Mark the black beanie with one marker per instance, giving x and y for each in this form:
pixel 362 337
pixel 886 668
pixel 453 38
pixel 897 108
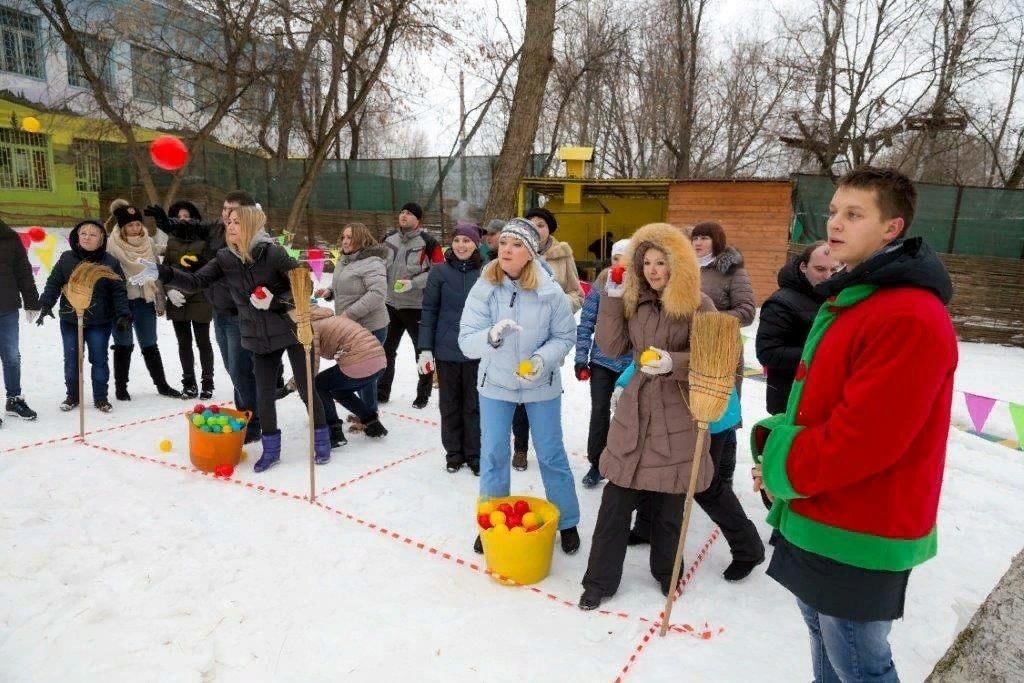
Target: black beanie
pixel 414 209
pixel 548 217
pixel 126 214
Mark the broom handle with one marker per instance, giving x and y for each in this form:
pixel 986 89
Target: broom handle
pixel 309 406
pixel 698 450
pixel 81 378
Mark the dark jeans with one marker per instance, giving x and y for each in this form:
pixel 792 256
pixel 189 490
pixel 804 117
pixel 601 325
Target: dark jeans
pixel 520 429
pixel 369 393
pixel 460 410
pixel 10 355
pixel 845 650
pixel 143 323
pixel 611 534
pixel 602 384
pixel 333 385
pixel 96 339
pixel 721 505
pixel 239 362
pixel 266 367
pixel 183 330
pixel 726 464
pixel 407 321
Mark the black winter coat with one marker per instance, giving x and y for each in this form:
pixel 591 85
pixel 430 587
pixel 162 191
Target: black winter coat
pixel 109 297
pixel 16 281
pixel 786 319
pixel 444 298
pixel 212 234
pixel 261 331
pixel 197 306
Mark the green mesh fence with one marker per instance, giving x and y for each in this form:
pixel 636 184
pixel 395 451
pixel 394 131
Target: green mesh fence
pixel 973 221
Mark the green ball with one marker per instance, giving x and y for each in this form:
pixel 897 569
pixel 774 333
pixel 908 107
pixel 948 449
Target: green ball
pixel 198 420
pixel 224 419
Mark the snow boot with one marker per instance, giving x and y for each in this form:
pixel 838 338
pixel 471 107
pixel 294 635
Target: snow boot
pixel 189 389
pixel 474 465
pixel 337 430
pixel 374 429
pixel 69 404
pixel 519 461
pixel 478 546
pixel 122 363
pixel 16 406
pixel 103 405
pixel 570 540
pixel 155 365
pixel 740 569
pixel 322 445
pixel 454 463
pixel 592 478
pixel 591 599
pixel 207 393
pixel 271 452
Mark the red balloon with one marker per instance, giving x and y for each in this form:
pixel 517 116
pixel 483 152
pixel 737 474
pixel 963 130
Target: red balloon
pixel 168 152
pixel 37 234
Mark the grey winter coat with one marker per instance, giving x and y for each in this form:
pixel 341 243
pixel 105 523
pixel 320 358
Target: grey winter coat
pixel 359 288
pixel 410 255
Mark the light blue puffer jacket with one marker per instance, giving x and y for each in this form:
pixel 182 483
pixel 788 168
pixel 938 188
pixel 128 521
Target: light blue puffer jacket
pixel 549 331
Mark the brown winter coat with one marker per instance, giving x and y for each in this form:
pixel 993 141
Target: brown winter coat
pixel 653 435
pixel 363 355
pixel 559 258
pixel 727 283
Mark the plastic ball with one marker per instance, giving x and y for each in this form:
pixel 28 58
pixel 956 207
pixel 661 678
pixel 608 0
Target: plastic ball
pixel 223 470
pixel 517 530
pixel 198 420
pixel 199 408
pixel 168 152
pixel 525 368
pixel 214 409
pixel 36 233
pixel 165 445
pixel 241 424
pixel 226 429
pixel 30 124
pixel 649 356
pixel 206 428
pixel 207 413
pixel 243 456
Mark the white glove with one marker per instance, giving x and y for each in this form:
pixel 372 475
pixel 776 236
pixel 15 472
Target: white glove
pixel 340 353
pixel 616 395
pixel 30 316
pixel 403 286
pixel 149 273
pixel 264 303
pixel 175 297
pixel 662 366
pixel 536 367
pixel 500 329
pixel 324 293
pixel 615 290
pixel 426 364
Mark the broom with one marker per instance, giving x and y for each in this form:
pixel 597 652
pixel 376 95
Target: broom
pixel 714 353
pixel 302 290
pixel 78 292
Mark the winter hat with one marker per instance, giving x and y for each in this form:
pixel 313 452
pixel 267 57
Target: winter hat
pixel 468 230
pixel 619 248
pixel 548 217
pixel 95 255
pixel 126 214
pixel 414 209
pixel 523 230
pixel 177 206
pixel 494 226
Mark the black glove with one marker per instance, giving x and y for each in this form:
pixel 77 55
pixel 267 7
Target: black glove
pixel 43 312
pixel 582 371
pixel 158 214
pixel 124 323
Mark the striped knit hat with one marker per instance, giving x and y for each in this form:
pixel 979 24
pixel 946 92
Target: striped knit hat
pixel 523 230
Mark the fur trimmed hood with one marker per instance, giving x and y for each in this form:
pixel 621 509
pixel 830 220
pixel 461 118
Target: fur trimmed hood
pixel 728 260
pixel 557 250
pixel 682 296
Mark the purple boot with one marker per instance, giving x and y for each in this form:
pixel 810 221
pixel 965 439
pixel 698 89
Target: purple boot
pixel 271 452
pixel 322 445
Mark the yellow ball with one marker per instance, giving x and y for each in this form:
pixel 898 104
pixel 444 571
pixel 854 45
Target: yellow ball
pixel 500 529
pixel 517 530
pixel 30 124
pixel 226 429
pixel 498 519
pixel 165 445
pixel 485 508
pixel 525 368
pixel 649 356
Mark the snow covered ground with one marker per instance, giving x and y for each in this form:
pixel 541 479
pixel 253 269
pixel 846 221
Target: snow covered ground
pixel 121 563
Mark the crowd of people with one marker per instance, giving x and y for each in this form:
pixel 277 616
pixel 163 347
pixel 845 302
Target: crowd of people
pixel 493 315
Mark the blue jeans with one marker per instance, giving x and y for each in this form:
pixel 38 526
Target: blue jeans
pixel 368 394
pixel 496 453
pixel 144 323
pixel 334 385
pixel 10 356
pixel 845 651
pixel 96 338
pixel 237 360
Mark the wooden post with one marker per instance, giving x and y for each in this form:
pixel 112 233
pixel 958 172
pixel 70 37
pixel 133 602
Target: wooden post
pixel 312 437
pixel 81 378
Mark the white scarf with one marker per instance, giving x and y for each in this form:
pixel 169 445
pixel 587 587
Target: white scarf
pixel 128 251
pixel 705 261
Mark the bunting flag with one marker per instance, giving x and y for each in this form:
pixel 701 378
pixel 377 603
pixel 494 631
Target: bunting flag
pixel 280 240
pixel 35 271
pixel 1017 415
pixel 45 251
pixel 314 254
pixel 334 254
pixel 979 408
pixel 317 266
pixel 26 241
pixel 294 253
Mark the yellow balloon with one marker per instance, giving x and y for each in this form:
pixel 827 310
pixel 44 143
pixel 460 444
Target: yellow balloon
pixel 31 124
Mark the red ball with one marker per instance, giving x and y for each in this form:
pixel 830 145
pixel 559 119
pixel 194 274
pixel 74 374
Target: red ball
pixel 484 521
pixel 513 520
pixel 37 234
pixel 521 507
pixel 260 293
pixel 584 374
pixel 506 509
pixel 617 273
pixel 168 152
pixel 223 470
pixel 214 409
pixel 198 410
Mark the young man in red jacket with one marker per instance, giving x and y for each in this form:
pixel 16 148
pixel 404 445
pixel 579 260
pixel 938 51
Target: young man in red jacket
pixel 855 463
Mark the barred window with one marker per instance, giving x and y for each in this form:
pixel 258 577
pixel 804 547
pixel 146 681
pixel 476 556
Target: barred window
pixel 24 160
pixel 151 76
pixel 87 164
pixel 20 52
pixel 97 53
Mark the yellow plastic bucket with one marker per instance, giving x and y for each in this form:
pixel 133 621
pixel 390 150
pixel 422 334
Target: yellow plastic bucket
pixel 521 558
pixel 208 450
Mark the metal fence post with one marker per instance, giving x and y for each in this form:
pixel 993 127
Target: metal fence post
pixel 956 218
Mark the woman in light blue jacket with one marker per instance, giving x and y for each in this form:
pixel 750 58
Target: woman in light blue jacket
pixel 516 312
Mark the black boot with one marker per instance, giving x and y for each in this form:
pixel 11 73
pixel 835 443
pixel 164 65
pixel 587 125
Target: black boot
pixel 189 388
pixel 151 354
pixel 570 540
pixel 207 393
pixel 337 431
pixel 122 363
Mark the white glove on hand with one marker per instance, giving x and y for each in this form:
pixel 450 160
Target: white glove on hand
pixel 616 395
pixel 496 334
pixel 536 367
pixel 264 303
pixel 615 290
pixel 175 297
pixel 149 273
pixel 662 366
pixel 30 316
pixel 426 363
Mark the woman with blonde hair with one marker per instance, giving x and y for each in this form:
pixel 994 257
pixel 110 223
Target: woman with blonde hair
pixel 517 316
pixel 255 269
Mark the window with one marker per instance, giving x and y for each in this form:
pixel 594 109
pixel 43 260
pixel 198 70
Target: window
pixel 97 53
pixel 24 160
pixel 20 52
pixel 207 88
pixel 87 165
pixel 151 76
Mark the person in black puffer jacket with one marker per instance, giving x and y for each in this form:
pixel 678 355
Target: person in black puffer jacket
pixel 448 286
pixel 255 268
pixel 786 318
pixel 109 307
pixel 16 284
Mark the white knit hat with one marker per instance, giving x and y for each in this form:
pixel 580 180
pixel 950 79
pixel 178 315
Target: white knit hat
pixel 619 248
pixel 523 230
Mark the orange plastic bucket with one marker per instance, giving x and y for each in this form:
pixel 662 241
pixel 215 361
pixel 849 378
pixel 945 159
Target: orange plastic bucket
pixel 207 450
pixel 521 558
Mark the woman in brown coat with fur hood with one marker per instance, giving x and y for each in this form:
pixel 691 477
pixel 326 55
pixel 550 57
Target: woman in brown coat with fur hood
pixel 652 436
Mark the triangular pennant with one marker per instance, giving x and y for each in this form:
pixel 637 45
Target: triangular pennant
pixel 280 240
pixel 294 253
pixel 334 254
pixel 317 266
pixel 314 254
pixel 979 408
pixel 35 271
pixel 45 251
pixel 26 240
pixel 1017 415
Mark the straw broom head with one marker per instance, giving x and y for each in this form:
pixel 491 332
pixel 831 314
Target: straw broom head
pixel 84 277
pixel 302 291
pixel 714 355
